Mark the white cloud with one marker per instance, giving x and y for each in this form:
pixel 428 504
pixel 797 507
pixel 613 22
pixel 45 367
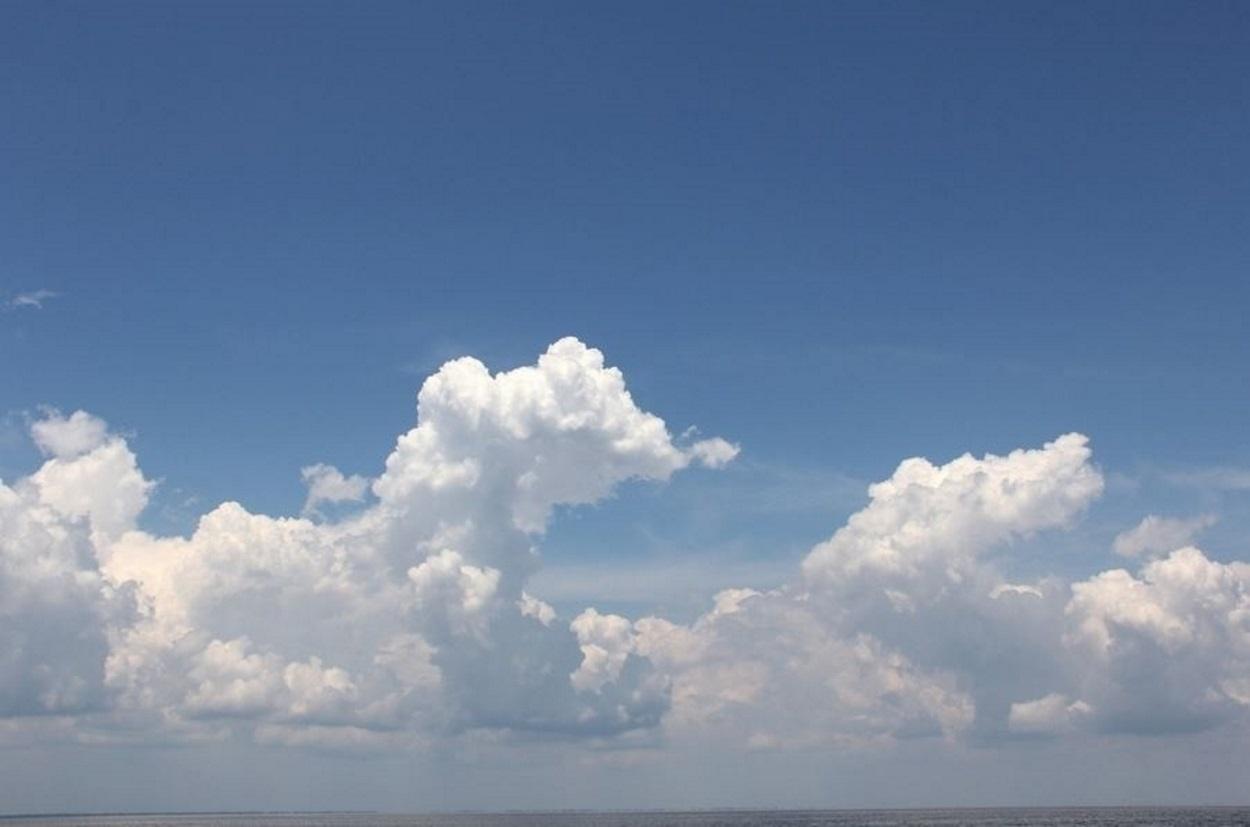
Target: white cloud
pixel 65 437
pixel 416 617
pixel 769 671
pixel 460 594
pixel 33 299
pixel 1015 589
pixel 1159 535
pixel 898 625
pixel 57 607
pixel 934 521
pixel 408 616
pixel 326 484
pixel 1167 649
pixel 531 606
pixel 714 453
pixel 1049 715
pixel 562 432
pixel 103 486
pixel 606 642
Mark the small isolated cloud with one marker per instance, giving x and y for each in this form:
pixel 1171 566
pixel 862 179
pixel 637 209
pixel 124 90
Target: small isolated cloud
pixel 1159 535
pixel 34 298
pixel 326 484
pixel 714 453
pixel 1015 589
pixel 1220 478
pixel 1052 714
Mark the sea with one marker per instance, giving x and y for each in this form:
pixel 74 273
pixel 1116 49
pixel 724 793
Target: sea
pixel 1032 817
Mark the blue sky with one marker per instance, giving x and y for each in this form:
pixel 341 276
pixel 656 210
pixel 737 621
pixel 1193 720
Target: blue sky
pixel 952 228
pixel 836 234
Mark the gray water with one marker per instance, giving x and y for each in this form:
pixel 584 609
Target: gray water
pixel 1064 817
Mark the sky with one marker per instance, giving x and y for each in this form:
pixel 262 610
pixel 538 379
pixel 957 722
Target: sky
pixel 421 406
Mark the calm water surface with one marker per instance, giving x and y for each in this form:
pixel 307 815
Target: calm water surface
pixel 1067 817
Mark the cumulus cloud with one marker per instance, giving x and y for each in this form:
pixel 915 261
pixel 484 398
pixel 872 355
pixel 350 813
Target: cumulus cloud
pixel 1167 649
pixel 1159 535
pixel 65 437
pixel 562 432
pixel 102 487
pixel 414 617
pixel 407 616
pixel 606 643
pixel 1049 715
pixel 930 521
pixel 326 484
pixel 770 671
pixel 899 623
pixel 57 606
pixel 714 453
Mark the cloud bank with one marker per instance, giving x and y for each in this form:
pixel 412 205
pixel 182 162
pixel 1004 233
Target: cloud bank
pixel 404 618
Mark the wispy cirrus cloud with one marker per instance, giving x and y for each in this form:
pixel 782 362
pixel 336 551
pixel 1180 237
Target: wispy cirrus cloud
pixel 32 299
pixel 1220 477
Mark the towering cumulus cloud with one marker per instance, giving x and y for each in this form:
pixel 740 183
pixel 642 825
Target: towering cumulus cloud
pixel 404 621
pixel 401 616
pixel 897 623
pixel 56 606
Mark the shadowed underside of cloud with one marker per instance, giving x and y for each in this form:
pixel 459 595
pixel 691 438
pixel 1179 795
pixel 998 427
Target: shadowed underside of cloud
pixel 407 620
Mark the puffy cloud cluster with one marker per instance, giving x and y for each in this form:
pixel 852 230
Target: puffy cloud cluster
pixel 1161 651
pixel 929 524
pixel 55 605
pixel 904 625
pixel 406 617
pixel 899 625
pixel 562 432
pixel 769 670
pixel 1167 649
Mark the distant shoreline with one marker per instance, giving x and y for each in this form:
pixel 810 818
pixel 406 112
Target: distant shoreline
pixel 278 814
